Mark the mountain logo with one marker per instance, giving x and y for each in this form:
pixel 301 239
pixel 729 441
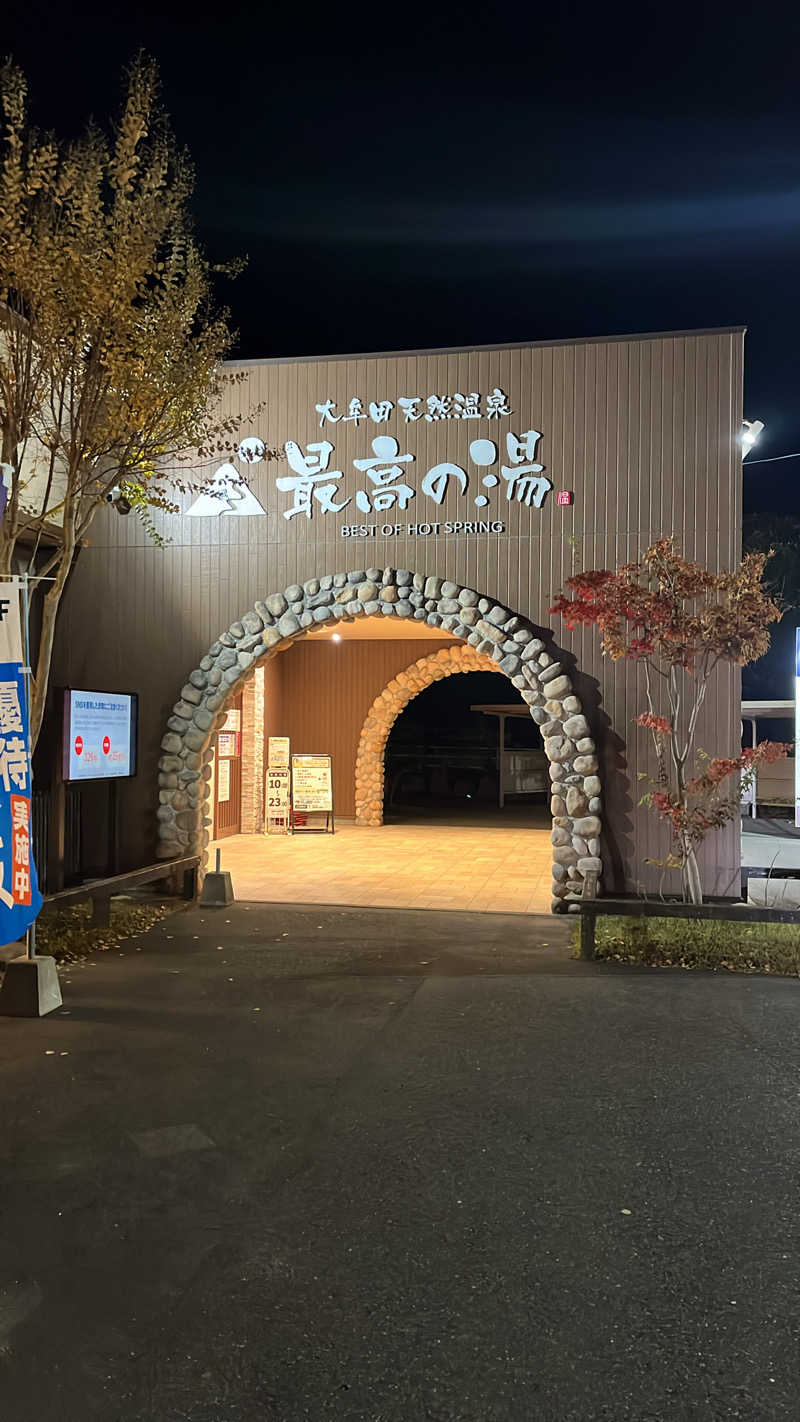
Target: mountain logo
pixel 227 493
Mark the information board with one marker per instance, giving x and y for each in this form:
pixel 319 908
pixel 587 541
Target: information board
pixel 278 752
pixel 312 783
pixel 223 780
pixel 312 793
pixel 99 735
pixel 278 800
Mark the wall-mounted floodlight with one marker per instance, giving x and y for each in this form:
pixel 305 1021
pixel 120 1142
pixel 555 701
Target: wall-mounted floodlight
pixel 750 432
pixel 117 499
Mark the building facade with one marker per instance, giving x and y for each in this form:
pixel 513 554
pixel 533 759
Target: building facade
pixel 447 495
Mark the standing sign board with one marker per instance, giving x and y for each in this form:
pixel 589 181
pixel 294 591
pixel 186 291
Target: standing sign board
pixel 312 793
pixel 278 790
pixel 20 900
pixel 278 753
pixel 278 800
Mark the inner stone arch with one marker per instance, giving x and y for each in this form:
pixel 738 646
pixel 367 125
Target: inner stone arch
pixel 502 639
pixel 387 707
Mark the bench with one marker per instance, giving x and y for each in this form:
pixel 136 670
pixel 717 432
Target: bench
pixel 101 891
pixel 731 911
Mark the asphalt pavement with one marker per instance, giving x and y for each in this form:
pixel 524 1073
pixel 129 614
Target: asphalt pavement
pixel 372 1166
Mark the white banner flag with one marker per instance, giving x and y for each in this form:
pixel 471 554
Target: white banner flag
pixel 11 621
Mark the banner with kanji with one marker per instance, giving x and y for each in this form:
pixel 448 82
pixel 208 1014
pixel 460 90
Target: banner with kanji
pixel 20 900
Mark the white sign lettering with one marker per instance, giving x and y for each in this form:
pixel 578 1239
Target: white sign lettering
pixel 385 476
pixel 420 530
pixel 305 483
pixel 418 407
pixel 388 482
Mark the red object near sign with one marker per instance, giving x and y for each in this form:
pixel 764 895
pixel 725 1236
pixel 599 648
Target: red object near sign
pixel 20 822
pixel 78 745
pixel 564 496
pixel 106 745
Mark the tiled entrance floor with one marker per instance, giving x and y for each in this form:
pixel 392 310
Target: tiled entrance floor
pixel 492 866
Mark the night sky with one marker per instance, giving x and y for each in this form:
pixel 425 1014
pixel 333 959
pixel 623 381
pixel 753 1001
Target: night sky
pixel 476 174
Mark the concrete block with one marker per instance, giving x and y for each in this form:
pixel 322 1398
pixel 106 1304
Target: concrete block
pixel 30 988
pixel 217 890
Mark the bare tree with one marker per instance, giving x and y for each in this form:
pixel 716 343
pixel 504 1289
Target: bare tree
pixel 110 343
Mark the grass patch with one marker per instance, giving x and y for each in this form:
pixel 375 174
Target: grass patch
pixel 68 936
pixel 699 943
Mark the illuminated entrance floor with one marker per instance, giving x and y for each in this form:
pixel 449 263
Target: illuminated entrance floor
pixel 493 865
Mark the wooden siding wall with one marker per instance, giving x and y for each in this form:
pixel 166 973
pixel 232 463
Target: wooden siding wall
pixel 644 431
pixel 320 693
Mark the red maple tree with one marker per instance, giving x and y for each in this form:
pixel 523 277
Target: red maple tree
pixel 680 621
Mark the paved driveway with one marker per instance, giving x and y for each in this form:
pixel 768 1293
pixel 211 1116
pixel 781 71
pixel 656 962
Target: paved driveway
pixel 315 1164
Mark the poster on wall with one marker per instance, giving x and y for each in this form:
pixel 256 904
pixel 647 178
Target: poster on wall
pixel 20 900
pixel 312 793
pixel 229 735
pixel 223 781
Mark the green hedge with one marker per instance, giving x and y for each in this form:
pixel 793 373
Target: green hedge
pixel 699 943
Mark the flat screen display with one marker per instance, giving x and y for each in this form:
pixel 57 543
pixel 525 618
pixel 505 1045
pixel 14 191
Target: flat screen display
pixel 99 735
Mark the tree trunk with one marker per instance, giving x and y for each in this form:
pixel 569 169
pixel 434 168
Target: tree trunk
pixel 692 886
pixel 44 656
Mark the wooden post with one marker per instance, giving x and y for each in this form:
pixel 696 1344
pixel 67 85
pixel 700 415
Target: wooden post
pixel 113 828
pixel 56 835
pixel 101 912
pixel 588 917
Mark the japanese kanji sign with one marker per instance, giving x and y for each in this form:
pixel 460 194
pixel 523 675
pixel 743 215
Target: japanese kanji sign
pixel 20 900
pixel 347 467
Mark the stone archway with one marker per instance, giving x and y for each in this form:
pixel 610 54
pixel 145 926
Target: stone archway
pixel 507 641
pixel 385 710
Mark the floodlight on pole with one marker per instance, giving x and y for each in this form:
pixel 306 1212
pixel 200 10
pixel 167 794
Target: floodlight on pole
pixel 750 433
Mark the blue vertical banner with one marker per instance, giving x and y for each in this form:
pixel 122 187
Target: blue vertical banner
pixel 20 900
pixel 797 726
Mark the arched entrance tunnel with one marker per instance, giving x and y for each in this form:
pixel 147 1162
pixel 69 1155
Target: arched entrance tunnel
pixel 383 671
pixel 465 750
